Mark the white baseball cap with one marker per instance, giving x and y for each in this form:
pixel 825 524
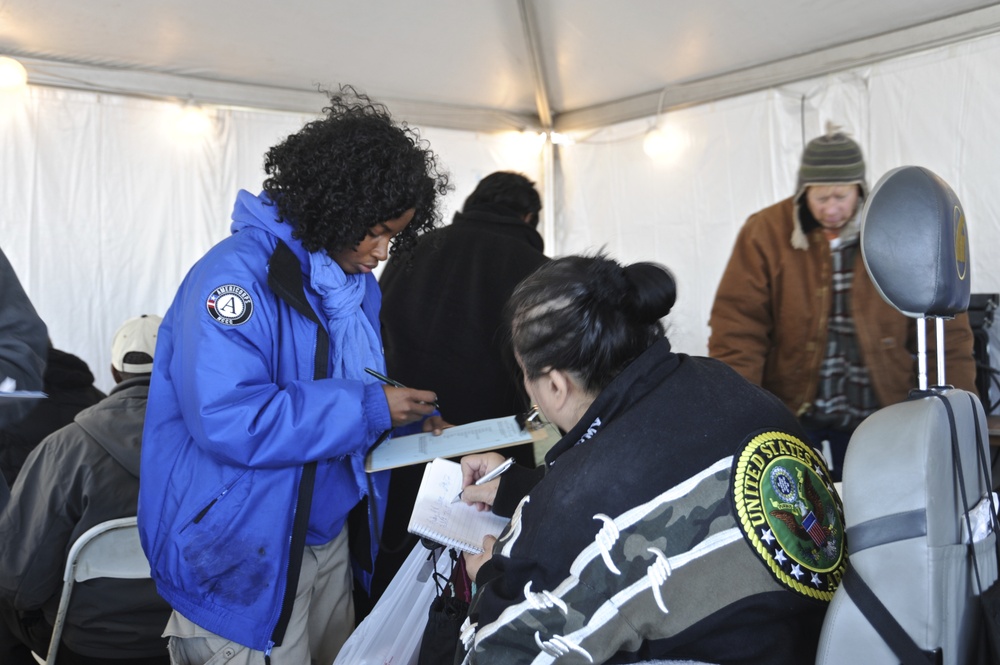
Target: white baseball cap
pixel 136 335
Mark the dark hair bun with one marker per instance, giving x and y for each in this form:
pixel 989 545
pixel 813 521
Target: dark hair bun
pixel 653 291
pixel 589 315
pixel 645 292
pixel 606 281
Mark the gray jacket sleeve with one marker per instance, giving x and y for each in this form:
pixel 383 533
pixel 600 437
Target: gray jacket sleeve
pixel 41 520
pixel 23 344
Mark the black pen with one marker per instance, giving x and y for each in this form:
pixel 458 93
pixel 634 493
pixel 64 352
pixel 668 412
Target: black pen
pixel 392 382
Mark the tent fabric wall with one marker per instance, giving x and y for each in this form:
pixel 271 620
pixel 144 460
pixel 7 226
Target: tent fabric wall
pixel 933 109
pixel 105 205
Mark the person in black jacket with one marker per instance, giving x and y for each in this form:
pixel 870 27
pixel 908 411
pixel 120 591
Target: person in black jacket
pixel 69 388
pixel 79 476
pixel 23 343
pixel 442 320
pixel 683 515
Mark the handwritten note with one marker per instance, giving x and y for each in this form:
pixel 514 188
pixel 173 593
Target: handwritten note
pixel 454 524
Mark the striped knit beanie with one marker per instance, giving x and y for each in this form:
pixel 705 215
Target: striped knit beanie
pixel 832 159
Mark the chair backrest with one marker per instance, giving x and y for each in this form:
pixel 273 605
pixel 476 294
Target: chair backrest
pixel 109 549
pixel 903 478
pixel 915 243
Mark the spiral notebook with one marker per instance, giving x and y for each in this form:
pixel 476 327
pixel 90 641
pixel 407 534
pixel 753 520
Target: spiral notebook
pixel 457 524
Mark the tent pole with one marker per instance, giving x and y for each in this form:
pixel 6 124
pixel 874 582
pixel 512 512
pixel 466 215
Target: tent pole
pixel 531 37
pixel 532 41
pixel 549 197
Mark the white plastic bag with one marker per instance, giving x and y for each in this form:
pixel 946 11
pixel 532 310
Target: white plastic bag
pixel 391 634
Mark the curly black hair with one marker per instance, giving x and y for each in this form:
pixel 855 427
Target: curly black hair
pixel 339 176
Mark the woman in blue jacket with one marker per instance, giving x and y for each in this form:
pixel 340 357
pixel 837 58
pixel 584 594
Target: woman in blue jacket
pixel 260 411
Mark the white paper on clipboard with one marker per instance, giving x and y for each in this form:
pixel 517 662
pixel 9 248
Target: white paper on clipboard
pixel 452 442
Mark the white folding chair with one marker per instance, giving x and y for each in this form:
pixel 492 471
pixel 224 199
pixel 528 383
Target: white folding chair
pixel 110 549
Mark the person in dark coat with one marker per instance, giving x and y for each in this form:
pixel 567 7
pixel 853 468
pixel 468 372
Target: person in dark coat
pixel 23 341
pixel 684 516
pixel 442 320
pixel 80 476
pixel 69 386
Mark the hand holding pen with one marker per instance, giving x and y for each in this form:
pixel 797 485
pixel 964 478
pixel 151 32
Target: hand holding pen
pixel 395 384
pixel 488 466
pixel 407 405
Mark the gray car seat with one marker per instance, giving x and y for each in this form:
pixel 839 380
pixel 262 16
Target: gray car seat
pixel 904 476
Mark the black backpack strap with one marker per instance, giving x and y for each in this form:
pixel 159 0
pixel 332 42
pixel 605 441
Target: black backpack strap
pixel 885 624
pixel 284 277
pixel 984 469
pixel 957 463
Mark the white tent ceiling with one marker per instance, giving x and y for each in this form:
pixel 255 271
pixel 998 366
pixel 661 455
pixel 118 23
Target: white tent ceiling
pixel 469 64
pixel 104 188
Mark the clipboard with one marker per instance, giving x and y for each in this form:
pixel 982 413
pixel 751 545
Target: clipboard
pixel 455 441
pixel 23 394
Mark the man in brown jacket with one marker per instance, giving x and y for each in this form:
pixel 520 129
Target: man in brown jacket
pixel 796 312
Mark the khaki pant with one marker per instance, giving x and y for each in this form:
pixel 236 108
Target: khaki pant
pixel 322 619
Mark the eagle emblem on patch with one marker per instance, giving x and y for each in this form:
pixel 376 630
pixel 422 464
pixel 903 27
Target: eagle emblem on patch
pixel 230 305
pixel 789 513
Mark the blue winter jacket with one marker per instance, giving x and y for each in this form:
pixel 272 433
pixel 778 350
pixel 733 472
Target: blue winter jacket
pixel 234 416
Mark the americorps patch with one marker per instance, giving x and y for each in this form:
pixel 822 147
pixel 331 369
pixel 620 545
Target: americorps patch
pixel 788 511
pixel 230 305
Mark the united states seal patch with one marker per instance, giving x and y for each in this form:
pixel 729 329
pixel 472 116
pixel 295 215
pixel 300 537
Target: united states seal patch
pixel 789 513
pixel 230 305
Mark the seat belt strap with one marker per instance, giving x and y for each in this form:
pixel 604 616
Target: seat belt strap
pixel 885 624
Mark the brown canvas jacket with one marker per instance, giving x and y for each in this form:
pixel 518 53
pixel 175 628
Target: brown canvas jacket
pixel 770 316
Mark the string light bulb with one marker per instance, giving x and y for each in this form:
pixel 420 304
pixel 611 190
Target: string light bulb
pixel 193 120
pixel 665 144
pixel 561 139
pixel 13 75
pixel 518 149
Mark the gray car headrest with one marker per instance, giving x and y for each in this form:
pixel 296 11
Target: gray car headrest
pixel 915 243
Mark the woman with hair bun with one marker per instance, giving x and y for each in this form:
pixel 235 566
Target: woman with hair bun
pixel 681 516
